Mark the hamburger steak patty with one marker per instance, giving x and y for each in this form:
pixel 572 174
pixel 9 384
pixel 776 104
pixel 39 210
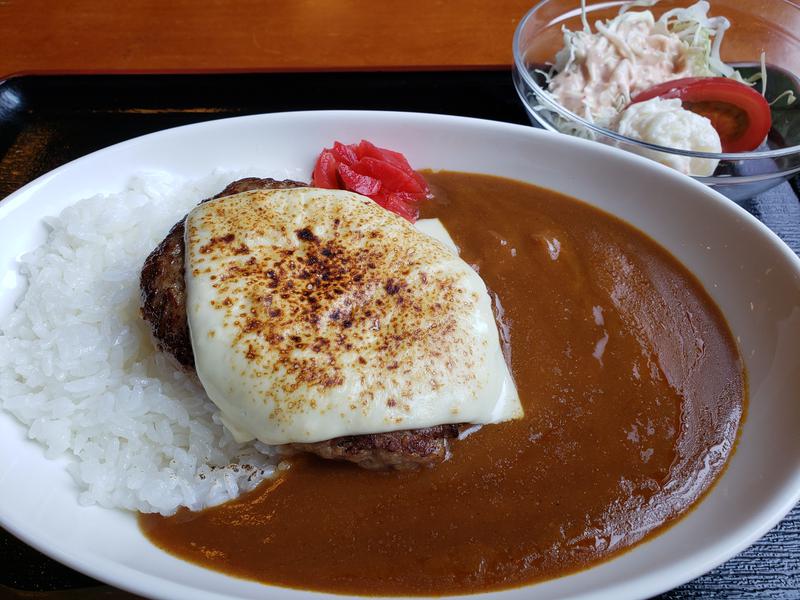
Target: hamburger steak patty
pixel 163 285
pixel 402 450
pixel 164 308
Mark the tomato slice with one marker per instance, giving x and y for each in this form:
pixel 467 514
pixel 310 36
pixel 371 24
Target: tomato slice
pixel 740 114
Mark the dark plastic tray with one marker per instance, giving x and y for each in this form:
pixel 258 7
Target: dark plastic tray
pixel 47 121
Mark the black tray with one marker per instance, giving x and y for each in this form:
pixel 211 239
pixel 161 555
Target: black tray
pixel 47 121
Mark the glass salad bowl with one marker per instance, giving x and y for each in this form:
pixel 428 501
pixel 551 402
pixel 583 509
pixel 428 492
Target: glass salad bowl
pixel 771 27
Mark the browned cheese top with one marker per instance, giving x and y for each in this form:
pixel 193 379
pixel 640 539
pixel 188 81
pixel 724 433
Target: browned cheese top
pixel 633 392
pixel 316 314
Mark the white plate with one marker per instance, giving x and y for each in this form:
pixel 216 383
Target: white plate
pixel 753 277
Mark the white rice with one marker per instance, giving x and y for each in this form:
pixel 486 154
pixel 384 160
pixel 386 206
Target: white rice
pixel 79 368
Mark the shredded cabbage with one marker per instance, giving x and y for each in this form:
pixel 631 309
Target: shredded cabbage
pixel 583 80
pixel 699 35
pixel 584 20
pixel 636 4
pixel 788 94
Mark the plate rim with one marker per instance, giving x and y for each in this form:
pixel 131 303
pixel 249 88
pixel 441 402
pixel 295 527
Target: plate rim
pixel 157 585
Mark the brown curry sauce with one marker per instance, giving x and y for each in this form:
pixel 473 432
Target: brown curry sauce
pixel 633 392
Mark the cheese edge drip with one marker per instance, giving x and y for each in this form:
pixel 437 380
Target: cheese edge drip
pixel 248 409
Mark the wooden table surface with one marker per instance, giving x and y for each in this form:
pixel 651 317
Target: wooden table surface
pixel 219 35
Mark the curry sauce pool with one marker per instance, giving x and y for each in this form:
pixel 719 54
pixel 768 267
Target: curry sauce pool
pixel 633 392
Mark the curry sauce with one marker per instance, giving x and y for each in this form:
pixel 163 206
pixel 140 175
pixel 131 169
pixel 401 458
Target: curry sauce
pixel 633 392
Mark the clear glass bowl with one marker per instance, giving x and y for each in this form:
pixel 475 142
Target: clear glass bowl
pixel 772 26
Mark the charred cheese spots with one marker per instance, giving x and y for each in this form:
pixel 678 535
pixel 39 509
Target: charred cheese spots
pixel 316 314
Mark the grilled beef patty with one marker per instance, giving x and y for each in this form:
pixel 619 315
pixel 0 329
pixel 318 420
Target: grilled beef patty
pixel 163 285
pixel 164 308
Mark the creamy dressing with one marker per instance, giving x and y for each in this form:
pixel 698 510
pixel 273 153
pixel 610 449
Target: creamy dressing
pixel 316 314
pixel 666 123
pixel 598 73
pixel 602 71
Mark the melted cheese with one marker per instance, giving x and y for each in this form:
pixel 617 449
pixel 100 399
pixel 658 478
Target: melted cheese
pixel 316 314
